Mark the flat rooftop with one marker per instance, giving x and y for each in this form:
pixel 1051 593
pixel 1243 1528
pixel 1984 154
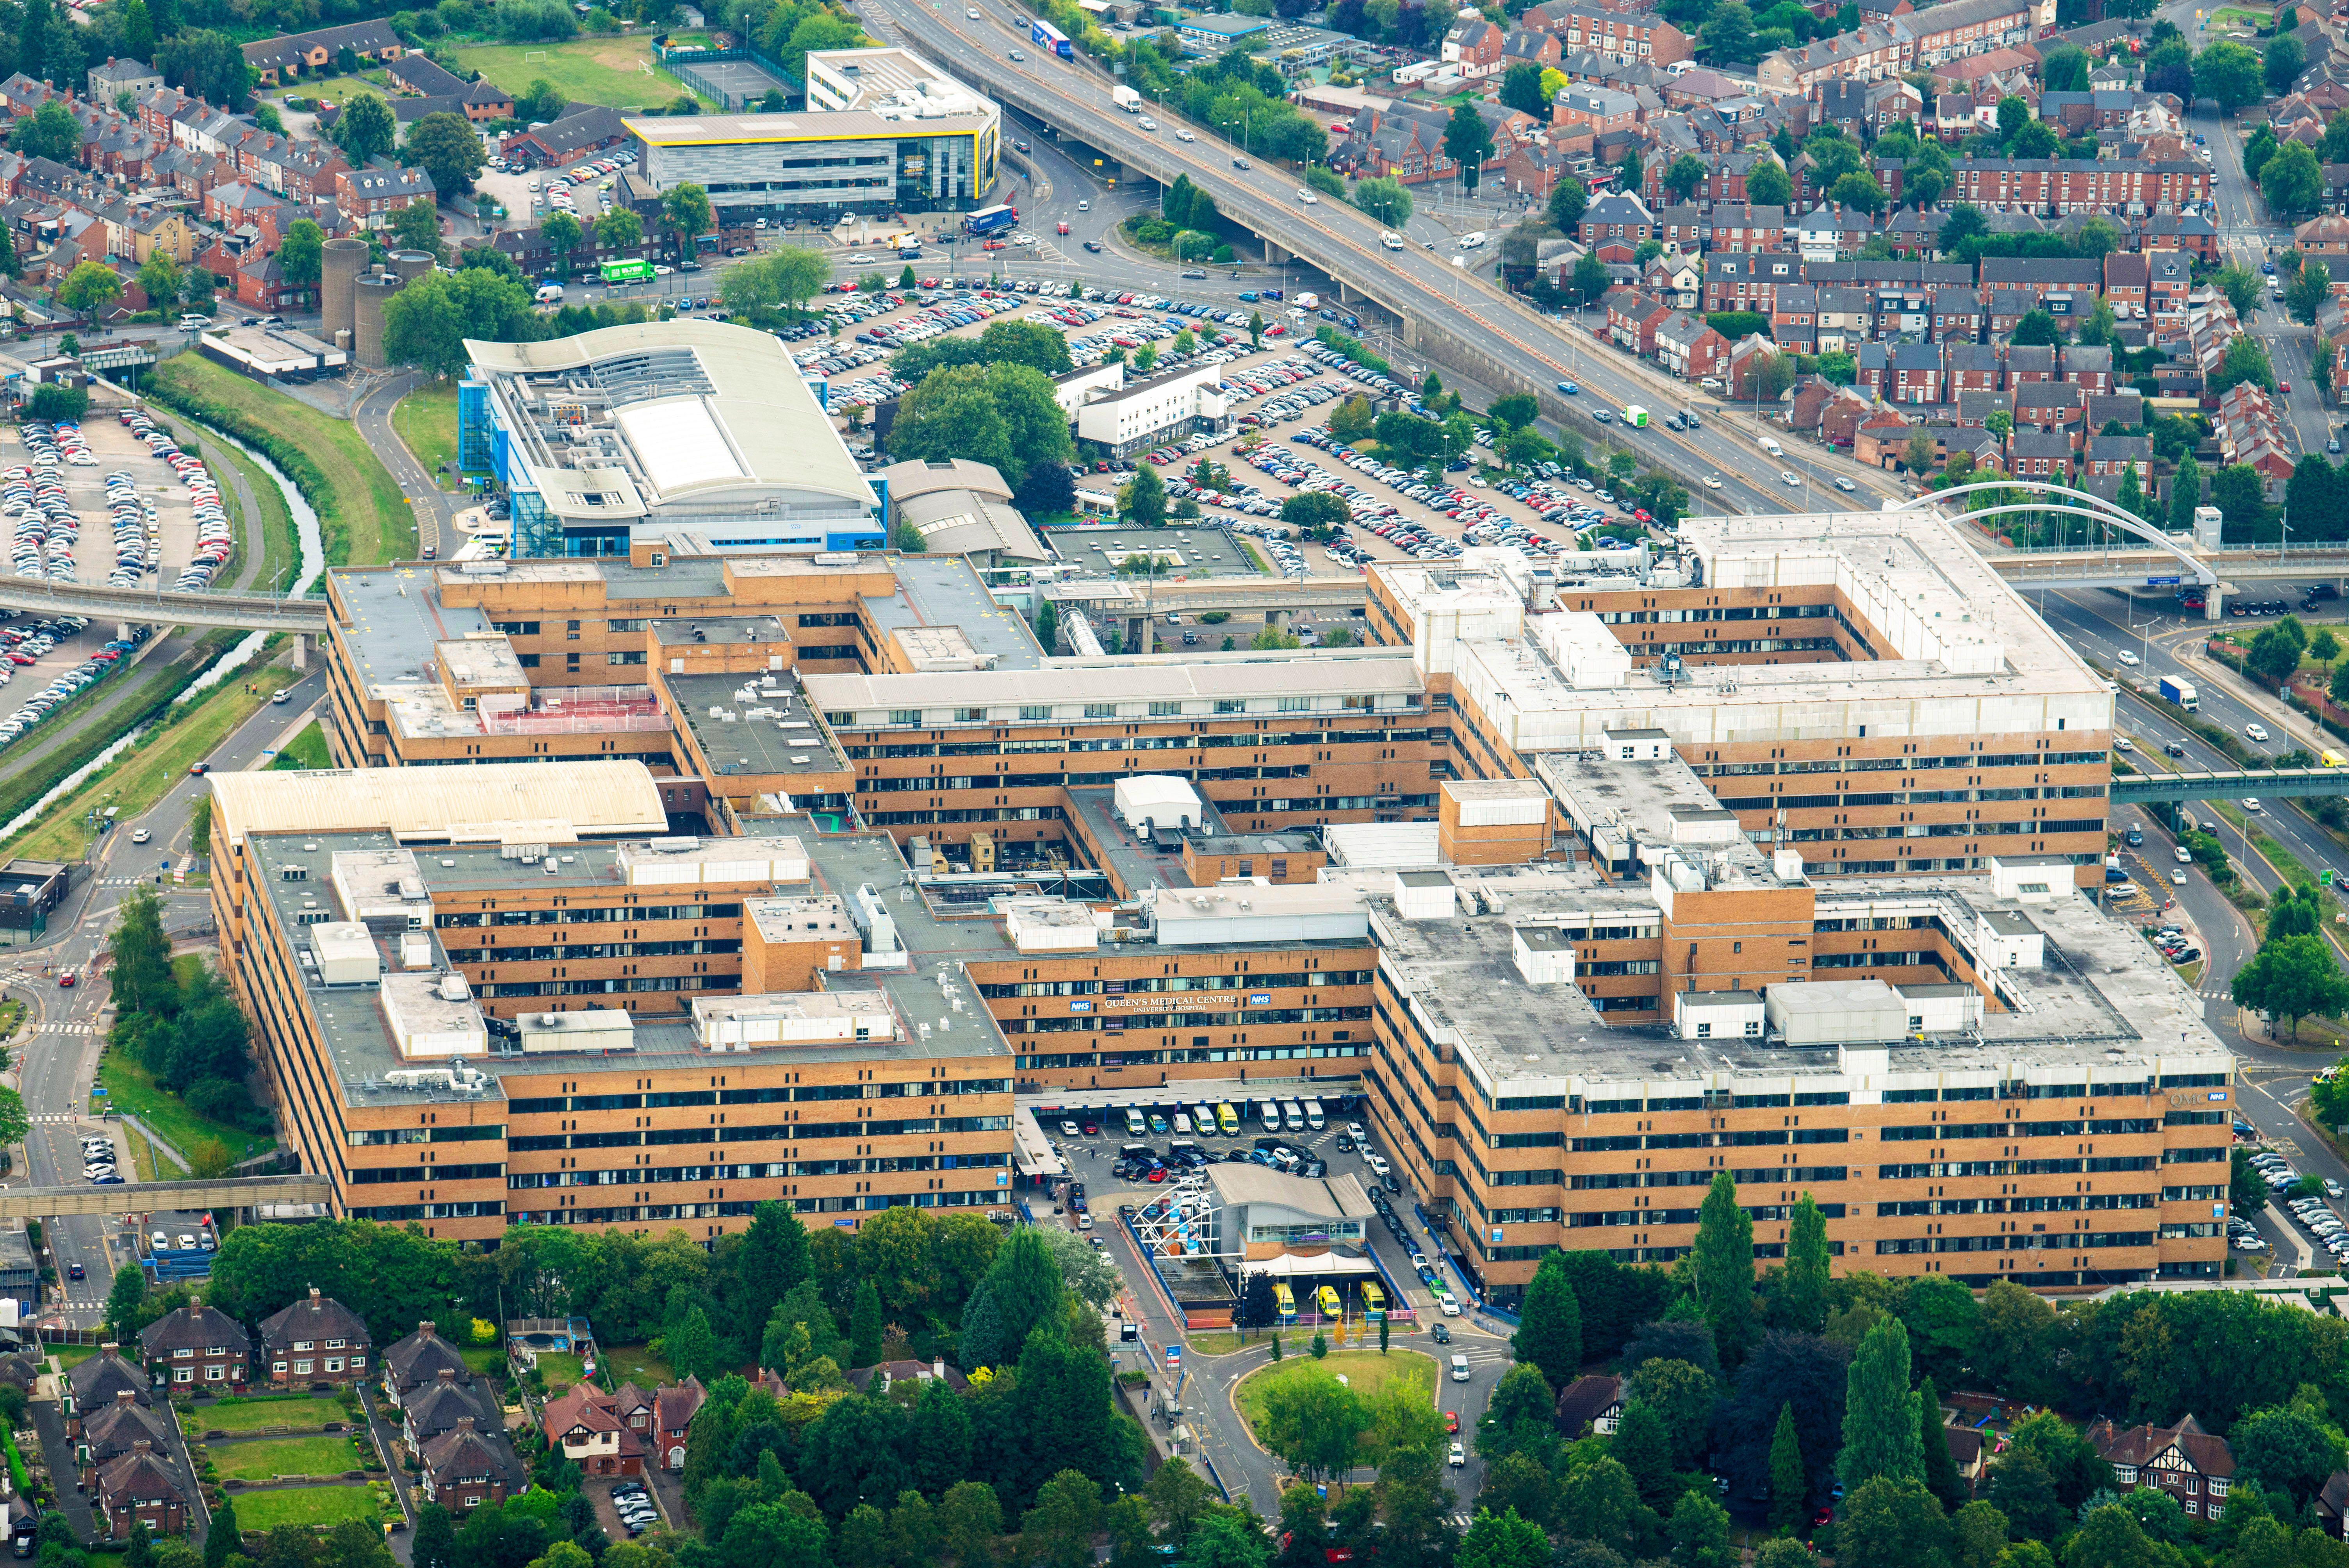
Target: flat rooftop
pixel 1200 549
pixel 756 724
pixel 944 592
pixel 1137 865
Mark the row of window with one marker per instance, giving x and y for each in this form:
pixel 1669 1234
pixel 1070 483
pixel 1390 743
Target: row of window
pixel 772 1171
pixel 794 1131
pixel 2037 1242
pixel 589 914
pixel 1286 980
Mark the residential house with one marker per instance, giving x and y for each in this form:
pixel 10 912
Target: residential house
pixel 1475 46
pixel 418 1361
pixel 2248 434
pixel 372 195
pixel 1688 348
pixel 93 1384
pixel 316 1340
pixel 1794 307
pixel 2029 362
pixel 1974 409
pixel 1959 316
pixel 1847 316
pixel 2193 1467
pixel 1877 51
pixel 426 1412
pixel 466 1467
pixel 2129 187
pixel 2062 287
pixel 113 1430
pixel 275 60
pixel 2129 284
pixel 1740 229
pixel 1962 27
pixel 1749 282
pixel 2170 277
pixel 196 1346
pixel 106 84
pixel 1675 278
pixel 139 1488
pixel 1597 110
pixel 1914 373
pixel 2089 366
pixel 1881 439
pixel 673 1411
pixel 2111 454
pixel 1590 1406
pixel 592 1434
pixel 2050 405
pixel 1972 367
pixel 1614 224
pixel 2033 454
pixel 1628 36
pixel 585 130
pixel 1632 318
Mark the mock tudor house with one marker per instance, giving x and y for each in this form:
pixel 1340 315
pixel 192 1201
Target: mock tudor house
pixel 2189 1464
pixel 196 1346
pixel 593 1433
pixel 319 1340
pixel 1592 1404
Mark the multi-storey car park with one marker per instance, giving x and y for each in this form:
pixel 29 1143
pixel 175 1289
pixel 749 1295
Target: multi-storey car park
pixel 1633 919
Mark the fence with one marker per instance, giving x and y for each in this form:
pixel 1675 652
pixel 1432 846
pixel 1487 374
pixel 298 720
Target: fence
pixel 733 93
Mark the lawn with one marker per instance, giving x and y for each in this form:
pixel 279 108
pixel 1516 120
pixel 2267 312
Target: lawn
pixel 366 519
pixel 318 1506
pixel 327 1455
pixel 486 1360
pixel 427 420
pixel 636 1364
pixel 257 1414
pixel 334 90
pixel 135 781
pixel 131 1088
pixel 306 749
pixel 586 70
pixel 72 1355
pixel 1365 1371
pixel 560 1368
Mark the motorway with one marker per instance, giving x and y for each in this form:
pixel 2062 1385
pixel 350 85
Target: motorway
pixel 54 1057
pixel 1445 302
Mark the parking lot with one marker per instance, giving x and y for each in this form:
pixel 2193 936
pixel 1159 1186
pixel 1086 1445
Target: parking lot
pixel 2302 1209
pixel 99 503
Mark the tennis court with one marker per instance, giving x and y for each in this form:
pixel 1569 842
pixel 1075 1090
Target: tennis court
pixel 737 84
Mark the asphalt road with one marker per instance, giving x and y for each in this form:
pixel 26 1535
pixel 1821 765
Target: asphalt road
pixel 2247 235
pixel 1451 301
pixel 58 1062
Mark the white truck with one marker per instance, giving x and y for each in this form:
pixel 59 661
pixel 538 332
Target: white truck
pixel 1474 241
pixel 1309 302
pixel 1770 445
pixel 1126 98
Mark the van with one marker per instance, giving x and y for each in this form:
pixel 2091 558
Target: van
pixel 1202 1120
pixel 1327 1300
pixel 1313 1115
pixel 1228 1121
pixel 1770 445
pixel 1182 1121
pixel 1374 1302
pixel 1294 1114
pixel 1459 1368
pixel 1474 241
pixel 549 294
pixel 1134 1125
pixel 1269 1114
pixel 1284 1301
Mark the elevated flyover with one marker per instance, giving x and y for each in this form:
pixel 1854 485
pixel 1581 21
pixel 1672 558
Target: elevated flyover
pixel 2266 783
pixel 1449 314
pixel 144 1197
pixel 162 607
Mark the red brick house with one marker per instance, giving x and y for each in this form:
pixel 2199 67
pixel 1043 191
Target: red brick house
pixel 1632 318
pixel 465 1468
pixel 196 1346
pixel 673 1411
pixel 1613 226
pixel 2039 455
pixel 1688 348
pixel 139 1489
pixel 319 1340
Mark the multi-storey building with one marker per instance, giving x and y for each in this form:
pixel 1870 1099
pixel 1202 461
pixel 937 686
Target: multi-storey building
pixel 1640 36
pixel 2132 187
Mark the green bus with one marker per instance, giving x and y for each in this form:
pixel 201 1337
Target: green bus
pixel 637 271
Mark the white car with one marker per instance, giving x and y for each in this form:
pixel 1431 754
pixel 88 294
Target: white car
pixel 2258 732
pixel 2128 658
pixel 2251 804
pixel 1307 197
pixel 2178 877
pixel 1790 478
pixel 1071 1129
pixel 1449 1302
pixel 2185 855
pixel 1181 135
pixel 1712 482
pixel 1459 1456
pixel 2123 743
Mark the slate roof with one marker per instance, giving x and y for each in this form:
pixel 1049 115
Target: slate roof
pixel 196 1328
pixel 318 1318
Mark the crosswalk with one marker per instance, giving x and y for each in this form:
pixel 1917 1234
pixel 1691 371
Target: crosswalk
pixel 68 1029
pixel 120 882
pixel 54 1119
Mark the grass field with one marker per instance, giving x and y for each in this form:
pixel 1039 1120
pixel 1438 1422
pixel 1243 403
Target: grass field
pixel 320 1456
pixel 427 420
pixel 255 1415
pixel 636 1364
pixel 369 512
pixel 135 781
pixel 560 1368
pixel 586 70
pixel 1366 1371
pixel 306 749
pixel 311 1505
pixel 131 1089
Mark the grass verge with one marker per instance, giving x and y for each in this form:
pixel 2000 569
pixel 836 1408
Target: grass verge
pixel 320 1456
pixel 363 518
pixel 1366 1371
pixel 317 1506
pixel 427 420
pixel 135 781
pixel 131 1089
pixel 279 553
pixel 302 1413
pixel 150 699
pixel 306 749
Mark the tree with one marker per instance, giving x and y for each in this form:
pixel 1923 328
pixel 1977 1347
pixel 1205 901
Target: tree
pixel 51 133
pixel 1683 1395
pixel 1521 89
pixel 1507 1542
pixel 2242 286
pixel 1977 1534
pixel 563 233
pixel 160 279
pixel 2287 1451
pixel 197 60
pixel 2037 327
pixel 1858 190
pixel 2292 181
pixel 1941 1477
pixel 1803 1289
pixel 417 226
pixel 1685 174
pixel 1727 35
pixel 1317 514
pixel 90 288
pixel 366 129
pixel 1590 277
pixel 2185 494
pixel 446 147
pixel 1880 1420
pixel 2110 1537
pixel 1143 500
pixel 1467 142
pixel 1700 1526
pixel 1313 1421
pixel 1549 1329
pixel 620 229
pixel 1890 1523
pixel 1384 198
pixel 1723 1261
pixel 685 212
pixel 1790 1483
pixel 125 1303
pixel 1568 198
pixel 1916 457
pixel 864 1327
pixel 2064 71
pixel 1645 1448
pixel 1600 1503
pixel 2282 63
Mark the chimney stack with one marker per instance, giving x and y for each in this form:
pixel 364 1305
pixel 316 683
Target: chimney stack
pixel 447 1376
pixel 425 1328
pixel 125 1396
pixel 314 1298
pixel 110 1349
pixel 143 1446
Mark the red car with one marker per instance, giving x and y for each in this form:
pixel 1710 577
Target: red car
pixel 68 980
pixel 1092 1129
pixel 1450 1420
pixel 1064 228
pixel 993 245
pixel 1158 1173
